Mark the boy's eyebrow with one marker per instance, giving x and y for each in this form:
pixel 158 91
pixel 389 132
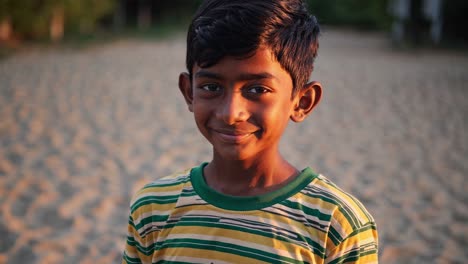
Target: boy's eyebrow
pixel 242 76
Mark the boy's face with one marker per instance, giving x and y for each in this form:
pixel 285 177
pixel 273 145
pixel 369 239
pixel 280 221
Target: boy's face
pixel 242 106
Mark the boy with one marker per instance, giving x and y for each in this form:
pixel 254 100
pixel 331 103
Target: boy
pixel 248 66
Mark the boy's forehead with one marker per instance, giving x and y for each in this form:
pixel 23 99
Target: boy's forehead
pixel 261 64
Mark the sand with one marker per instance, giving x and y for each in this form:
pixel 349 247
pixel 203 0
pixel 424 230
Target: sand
pixel 81 130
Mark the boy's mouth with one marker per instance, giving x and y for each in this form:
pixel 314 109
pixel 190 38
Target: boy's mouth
pixel 232 135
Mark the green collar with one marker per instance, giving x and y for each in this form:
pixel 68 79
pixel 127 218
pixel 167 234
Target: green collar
pixel 246 203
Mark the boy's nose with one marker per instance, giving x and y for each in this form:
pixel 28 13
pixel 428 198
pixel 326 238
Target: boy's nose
pixel 233 109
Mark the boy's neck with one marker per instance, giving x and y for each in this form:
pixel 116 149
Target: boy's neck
pixel 249 177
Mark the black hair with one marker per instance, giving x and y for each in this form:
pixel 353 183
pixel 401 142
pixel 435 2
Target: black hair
pixel 238 28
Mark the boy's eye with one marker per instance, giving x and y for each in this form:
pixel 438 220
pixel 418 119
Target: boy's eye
pixel 211 87
pixel 258 90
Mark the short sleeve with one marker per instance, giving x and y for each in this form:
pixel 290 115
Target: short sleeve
pixel 360 246
pixel 130 254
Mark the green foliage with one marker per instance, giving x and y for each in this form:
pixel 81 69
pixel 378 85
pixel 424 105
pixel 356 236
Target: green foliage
pixel 31 18
pixel 27 16
pixel 177 12
pixel 366 14
pixel 82 15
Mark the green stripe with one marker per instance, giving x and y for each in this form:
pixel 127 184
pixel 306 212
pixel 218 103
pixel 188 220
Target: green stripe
pixel 186 193
pixel 172 262
pixel 351 256
pixel 354 255
pixel 350 216
pixel 150 219
pixel 337 239
pixel 334 236
pixel 309 211
pixel 130 221
pixel 316 248
pixel 130 260
pixel 153 200
pixel 247 203
pixel 370 225
pixel 131 241
pixel 336 200
pixel 352 212
pixel 226 248
pixel 213 223
pixel 181 179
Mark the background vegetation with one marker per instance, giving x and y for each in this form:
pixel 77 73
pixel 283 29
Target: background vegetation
pixel 361 14
pixel 53 19
pixel 33 19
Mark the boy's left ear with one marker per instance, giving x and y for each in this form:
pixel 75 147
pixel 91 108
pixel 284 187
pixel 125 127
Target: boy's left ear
pixel 305 100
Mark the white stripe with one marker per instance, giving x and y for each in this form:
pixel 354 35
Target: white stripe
pixel 130 254
pixel 173 178
pixel 338 227
pixel 190 259
pixel 261 221
pixel 256 223
pixel 243 243
pixel 159 194
pixel 343 197
pixel 300 212
pixel 349 248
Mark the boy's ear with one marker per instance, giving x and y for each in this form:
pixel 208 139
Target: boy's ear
pixel 305 100
pixel 185 86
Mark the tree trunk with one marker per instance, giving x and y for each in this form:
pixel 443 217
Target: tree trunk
pixel 144 14
pixel 5 29
pixel 57 24
pixel 119 15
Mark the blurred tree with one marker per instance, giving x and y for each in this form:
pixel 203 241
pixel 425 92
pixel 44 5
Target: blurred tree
pixel 367 14
pixel 174 11
pixel 152 14
pixel 29 18
pixel 5 21
pixel 144 14
pixel 83 15
pixel 455 20
pixel 33 19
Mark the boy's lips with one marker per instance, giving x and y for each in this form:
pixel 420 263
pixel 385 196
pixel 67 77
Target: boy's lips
pixel 232 135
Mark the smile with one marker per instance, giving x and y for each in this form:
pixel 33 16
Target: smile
pixel 232 136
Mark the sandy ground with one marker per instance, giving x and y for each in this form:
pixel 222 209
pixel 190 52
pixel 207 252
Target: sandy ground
pixel 81 130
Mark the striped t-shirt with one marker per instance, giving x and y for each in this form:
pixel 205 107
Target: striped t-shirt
pixel 180 219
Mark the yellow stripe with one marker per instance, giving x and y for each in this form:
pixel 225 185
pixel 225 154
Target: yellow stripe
pixel 273 219
pixel 202 253
pixel 362 217
pixel 147 209
pixel 319 203
pixel 156 189
pixel 283 248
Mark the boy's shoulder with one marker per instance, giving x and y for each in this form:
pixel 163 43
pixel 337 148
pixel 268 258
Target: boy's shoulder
pixel 351 226
pixel 348 218
pixel 341 201
pixel 169 180
pixel 162 190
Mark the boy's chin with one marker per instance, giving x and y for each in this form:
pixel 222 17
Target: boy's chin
pixel 233 153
